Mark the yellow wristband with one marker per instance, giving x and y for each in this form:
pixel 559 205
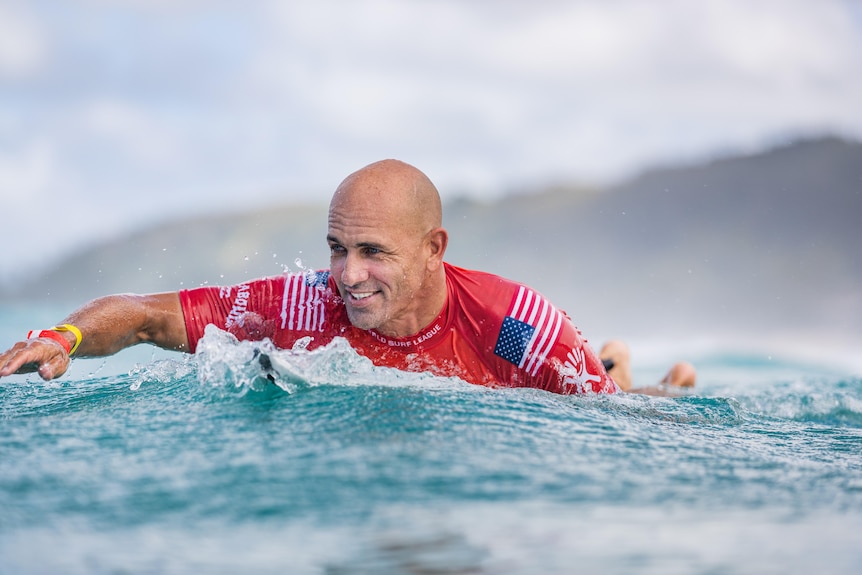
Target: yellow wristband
pixel 74 330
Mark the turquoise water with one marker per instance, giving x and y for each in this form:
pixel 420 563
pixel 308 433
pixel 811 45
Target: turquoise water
pixel 180 464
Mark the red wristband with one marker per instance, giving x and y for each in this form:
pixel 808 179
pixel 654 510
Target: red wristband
pixel 32 334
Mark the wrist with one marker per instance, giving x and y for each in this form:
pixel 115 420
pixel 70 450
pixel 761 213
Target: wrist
pixel 69 329
pixel 67 335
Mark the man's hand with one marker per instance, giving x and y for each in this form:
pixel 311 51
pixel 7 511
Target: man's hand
pixel 42 355
pixel 109 324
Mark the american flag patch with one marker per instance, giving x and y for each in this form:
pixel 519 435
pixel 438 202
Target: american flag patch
pixel 530 329
pixel 302 305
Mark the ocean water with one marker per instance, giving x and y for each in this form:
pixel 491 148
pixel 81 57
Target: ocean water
pixel 165 463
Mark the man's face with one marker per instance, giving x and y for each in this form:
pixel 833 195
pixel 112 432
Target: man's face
pixel 378 261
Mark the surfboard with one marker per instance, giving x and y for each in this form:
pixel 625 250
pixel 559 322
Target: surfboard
pixel 277 369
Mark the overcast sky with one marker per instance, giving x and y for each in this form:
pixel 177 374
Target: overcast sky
pixel 116 114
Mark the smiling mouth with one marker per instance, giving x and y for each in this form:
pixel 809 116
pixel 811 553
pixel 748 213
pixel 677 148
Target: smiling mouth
pixel 361 295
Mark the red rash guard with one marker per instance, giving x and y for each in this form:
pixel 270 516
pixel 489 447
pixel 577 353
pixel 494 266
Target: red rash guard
pixel 492 331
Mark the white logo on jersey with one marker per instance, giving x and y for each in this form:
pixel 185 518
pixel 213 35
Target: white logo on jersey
pixel 574 371
pixel 240 304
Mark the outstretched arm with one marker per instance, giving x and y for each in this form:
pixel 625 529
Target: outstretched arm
pixel 107 325
pixel 682 375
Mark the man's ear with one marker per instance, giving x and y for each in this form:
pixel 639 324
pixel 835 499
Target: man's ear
pixel 437 241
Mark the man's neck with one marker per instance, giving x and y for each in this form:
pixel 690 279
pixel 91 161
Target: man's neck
pixel 432 298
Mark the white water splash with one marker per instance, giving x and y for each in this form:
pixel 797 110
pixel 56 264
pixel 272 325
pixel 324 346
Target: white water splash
pixel 227 363
pixel 163 371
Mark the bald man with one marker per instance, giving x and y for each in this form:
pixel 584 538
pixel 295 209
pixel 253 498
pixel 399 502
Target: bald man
pixel 388 292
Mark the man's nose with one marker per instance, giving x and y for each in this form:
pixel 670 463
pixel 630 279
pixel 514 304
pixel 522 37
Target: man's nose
pixel 355 271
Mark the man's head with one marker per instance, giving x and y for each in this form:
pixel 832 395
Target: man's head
pixel 387 246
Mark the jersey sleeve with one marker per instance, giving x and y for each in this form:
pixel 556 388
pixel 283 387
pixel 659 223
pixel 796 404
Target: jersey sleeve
pixel 247 310
pixel 546 350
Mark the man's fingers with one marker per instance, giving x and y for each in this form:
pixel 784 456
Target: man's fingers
pixel 45 356
pixel 26 368
pixel 54 367
pixel 12 360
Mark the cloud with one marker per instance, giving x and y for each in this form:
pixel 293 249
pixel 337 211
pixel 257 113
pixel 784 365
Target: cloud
pixel 22 50
pixel 590 89
pixel 26 175
pixel 118 114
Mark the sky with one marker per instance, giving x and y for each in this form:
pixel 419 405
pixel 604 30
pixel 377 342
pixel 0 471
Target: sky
pixel 118 115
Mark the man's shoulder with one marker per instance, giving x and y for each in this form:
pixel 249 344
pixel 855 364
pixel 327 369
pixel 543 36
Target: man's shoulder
pixel 289 285
pixel 492 293
pixel 471 278
pixel 309 278
pixel 480 290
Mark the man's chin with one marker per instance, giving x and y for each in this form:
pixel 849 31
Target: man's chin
pixel 363 319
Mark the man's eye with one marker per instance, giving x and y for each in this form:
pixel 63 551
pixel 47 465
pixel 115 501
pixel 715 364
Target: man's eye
pixel 336 249
pixel 371 251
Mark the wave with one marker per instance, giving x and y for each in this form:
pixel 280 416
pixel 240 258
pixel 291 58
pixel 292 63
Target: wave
pixel 208 444
pixel 827 402
pixel 234 366
pixel 225 366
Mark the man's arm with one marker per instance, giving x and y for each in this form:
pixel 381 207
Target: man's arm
pixel 107 325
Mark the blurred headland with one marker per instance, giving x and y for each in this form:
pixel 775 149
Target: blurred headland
pixel 761 246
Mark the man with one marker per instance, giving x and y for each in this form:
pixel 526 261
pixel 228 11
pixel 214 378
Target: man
pixel 388 292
